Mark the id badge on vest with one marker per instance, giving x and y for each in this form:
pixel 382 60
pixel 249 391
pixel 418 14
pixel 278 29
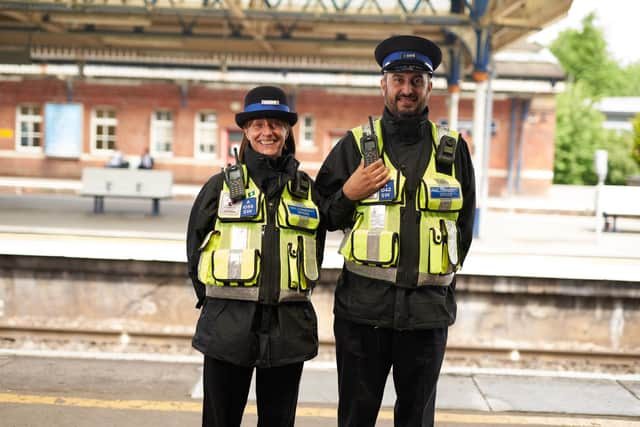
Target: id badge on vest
pixel 385 194
pixel 247 208
pixel 302 211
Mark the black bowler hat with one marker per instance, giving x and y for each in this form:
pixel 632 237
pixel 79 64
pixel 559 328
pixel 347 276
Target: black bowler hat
pixel 266 102
pixel 408 53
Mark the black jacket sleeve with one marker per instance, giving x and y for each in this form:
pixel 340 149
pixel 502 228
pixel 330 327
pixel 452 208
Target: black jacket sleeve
pixel 466 176
pixel 336 208
pixel 201 221
pixel 321 233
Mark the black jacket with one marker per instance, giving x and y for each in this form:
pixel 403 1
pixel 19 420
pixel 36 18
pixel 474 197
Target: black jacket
pixel 408 143
pixel 243 332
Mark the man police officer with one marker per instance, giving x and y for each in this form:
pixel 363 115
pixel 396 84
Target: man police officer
pixel 408 218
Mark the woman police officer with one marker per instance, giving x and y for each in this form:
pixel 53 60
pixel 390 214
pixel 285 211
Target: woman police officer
pixel 254 248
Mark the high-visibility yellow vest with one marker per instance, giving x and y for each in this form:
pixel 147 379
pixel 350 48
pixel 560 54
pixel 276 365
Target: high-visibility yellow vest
pixel 371 247
pixel 231 260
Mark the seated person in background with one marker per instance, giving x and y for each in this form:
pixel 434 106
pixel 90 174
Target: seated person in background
pixel 117 160
pixel 146 161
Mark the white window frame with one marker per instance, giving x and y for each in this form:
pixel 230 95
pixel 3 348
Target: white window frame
pixel 304 129
pixel 155 127
pixel 30 119
pixel 103 121
pixel 210 128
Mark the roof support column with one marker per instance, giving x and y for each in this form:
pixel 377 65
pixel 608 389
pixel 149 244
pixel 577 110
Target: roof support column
pixel 486 152
pixel 453 82
pixel 455 65
pixel 481 138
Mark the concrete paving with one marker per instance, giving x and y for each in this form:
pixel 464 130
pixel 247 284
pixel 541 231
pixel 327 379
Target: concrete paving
pixel 538 237
pixel 520 236
pixel 124 386
pixel 561 395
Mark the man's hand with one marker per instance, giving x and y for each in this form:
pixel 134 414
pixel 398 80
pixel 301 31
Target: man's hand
pixel 366 181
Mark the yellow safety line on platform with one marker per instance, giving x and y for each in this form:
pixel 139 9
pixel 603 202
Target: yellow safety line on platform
pixel 303 411
pixel 146 405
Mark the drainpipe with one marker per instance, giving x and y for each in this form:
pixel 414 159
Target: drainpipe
pixel 523 117
pixel 512 144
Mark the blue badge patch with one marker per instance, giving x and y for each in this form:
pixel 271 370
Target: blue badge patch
pixel 302 211
pixel 445 192
pixel 249 207
pixel 388 192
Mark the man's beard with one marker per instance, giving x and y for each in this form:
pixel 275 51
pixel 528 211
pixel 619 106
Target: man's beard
pixel 406 114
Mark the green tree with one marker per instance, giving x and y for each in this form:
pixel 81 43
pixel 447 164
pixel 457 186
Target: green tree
pixel 635 151
pixel 584 57
pixel 620 164
pixel 592 74
pixel 630 77
pixel 578 133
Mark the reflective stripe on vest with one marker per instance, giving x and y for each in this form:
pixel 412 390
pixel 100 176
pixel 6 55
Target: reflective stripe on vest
pixel 231 261
pixel 389 274
pixel 371 247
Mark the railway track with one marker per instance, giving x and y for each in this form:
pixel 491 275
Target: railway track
pixel 179 343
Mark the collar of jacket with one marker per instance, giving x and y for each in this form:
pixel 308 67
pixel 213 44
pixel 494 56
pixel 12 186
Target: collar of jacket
pixel 268 173
pixel 407 130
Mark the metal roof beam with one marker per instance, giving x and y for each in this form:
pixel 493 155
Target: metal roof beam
pixel 256 30
pixel 32 18
pixel 332 28
pixel 118 20
pixel 198 7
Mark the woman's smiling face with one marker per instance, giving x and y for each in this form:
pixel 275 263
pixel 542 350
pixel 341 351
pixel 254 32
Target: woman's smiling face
pixel 267 136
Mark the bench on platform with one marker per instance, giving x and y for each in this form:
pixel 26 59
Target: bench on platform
pixel 619 201
pixel 127 183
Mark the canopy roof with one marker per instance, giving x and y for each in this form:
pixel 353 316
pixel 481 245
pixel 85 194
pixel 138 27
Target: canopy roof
pixel 330 35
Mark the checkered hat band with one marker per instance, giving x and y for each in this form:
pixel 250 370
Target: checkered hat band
pixel 263 107
pixel 405 55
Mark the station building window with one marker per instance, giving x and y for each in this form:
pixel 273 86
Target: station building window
pixel 307 129
pixel 28 128
pixel 162 133
pixel 206 134
pixel 103 129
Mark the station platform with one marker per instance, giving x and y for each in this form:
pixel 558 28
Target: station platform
pixel 549 237
pixel 139 390
pixel 552 236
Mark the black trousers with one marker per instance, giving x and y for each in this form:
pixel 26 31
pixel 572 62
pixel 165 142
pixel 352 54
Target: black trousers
pixel 226 388
pixel 365 354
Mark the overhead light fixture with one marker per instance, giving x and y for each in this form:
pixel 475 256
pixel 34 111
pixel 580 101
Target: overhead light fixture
pixel 107 20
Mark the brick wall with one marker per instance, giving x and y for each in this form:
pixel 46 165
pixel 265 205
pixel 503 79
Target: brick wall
pixel 334 111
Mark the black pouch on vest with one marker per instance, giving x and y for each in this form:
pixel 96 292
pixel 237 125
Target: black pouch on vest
pixel 446 153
